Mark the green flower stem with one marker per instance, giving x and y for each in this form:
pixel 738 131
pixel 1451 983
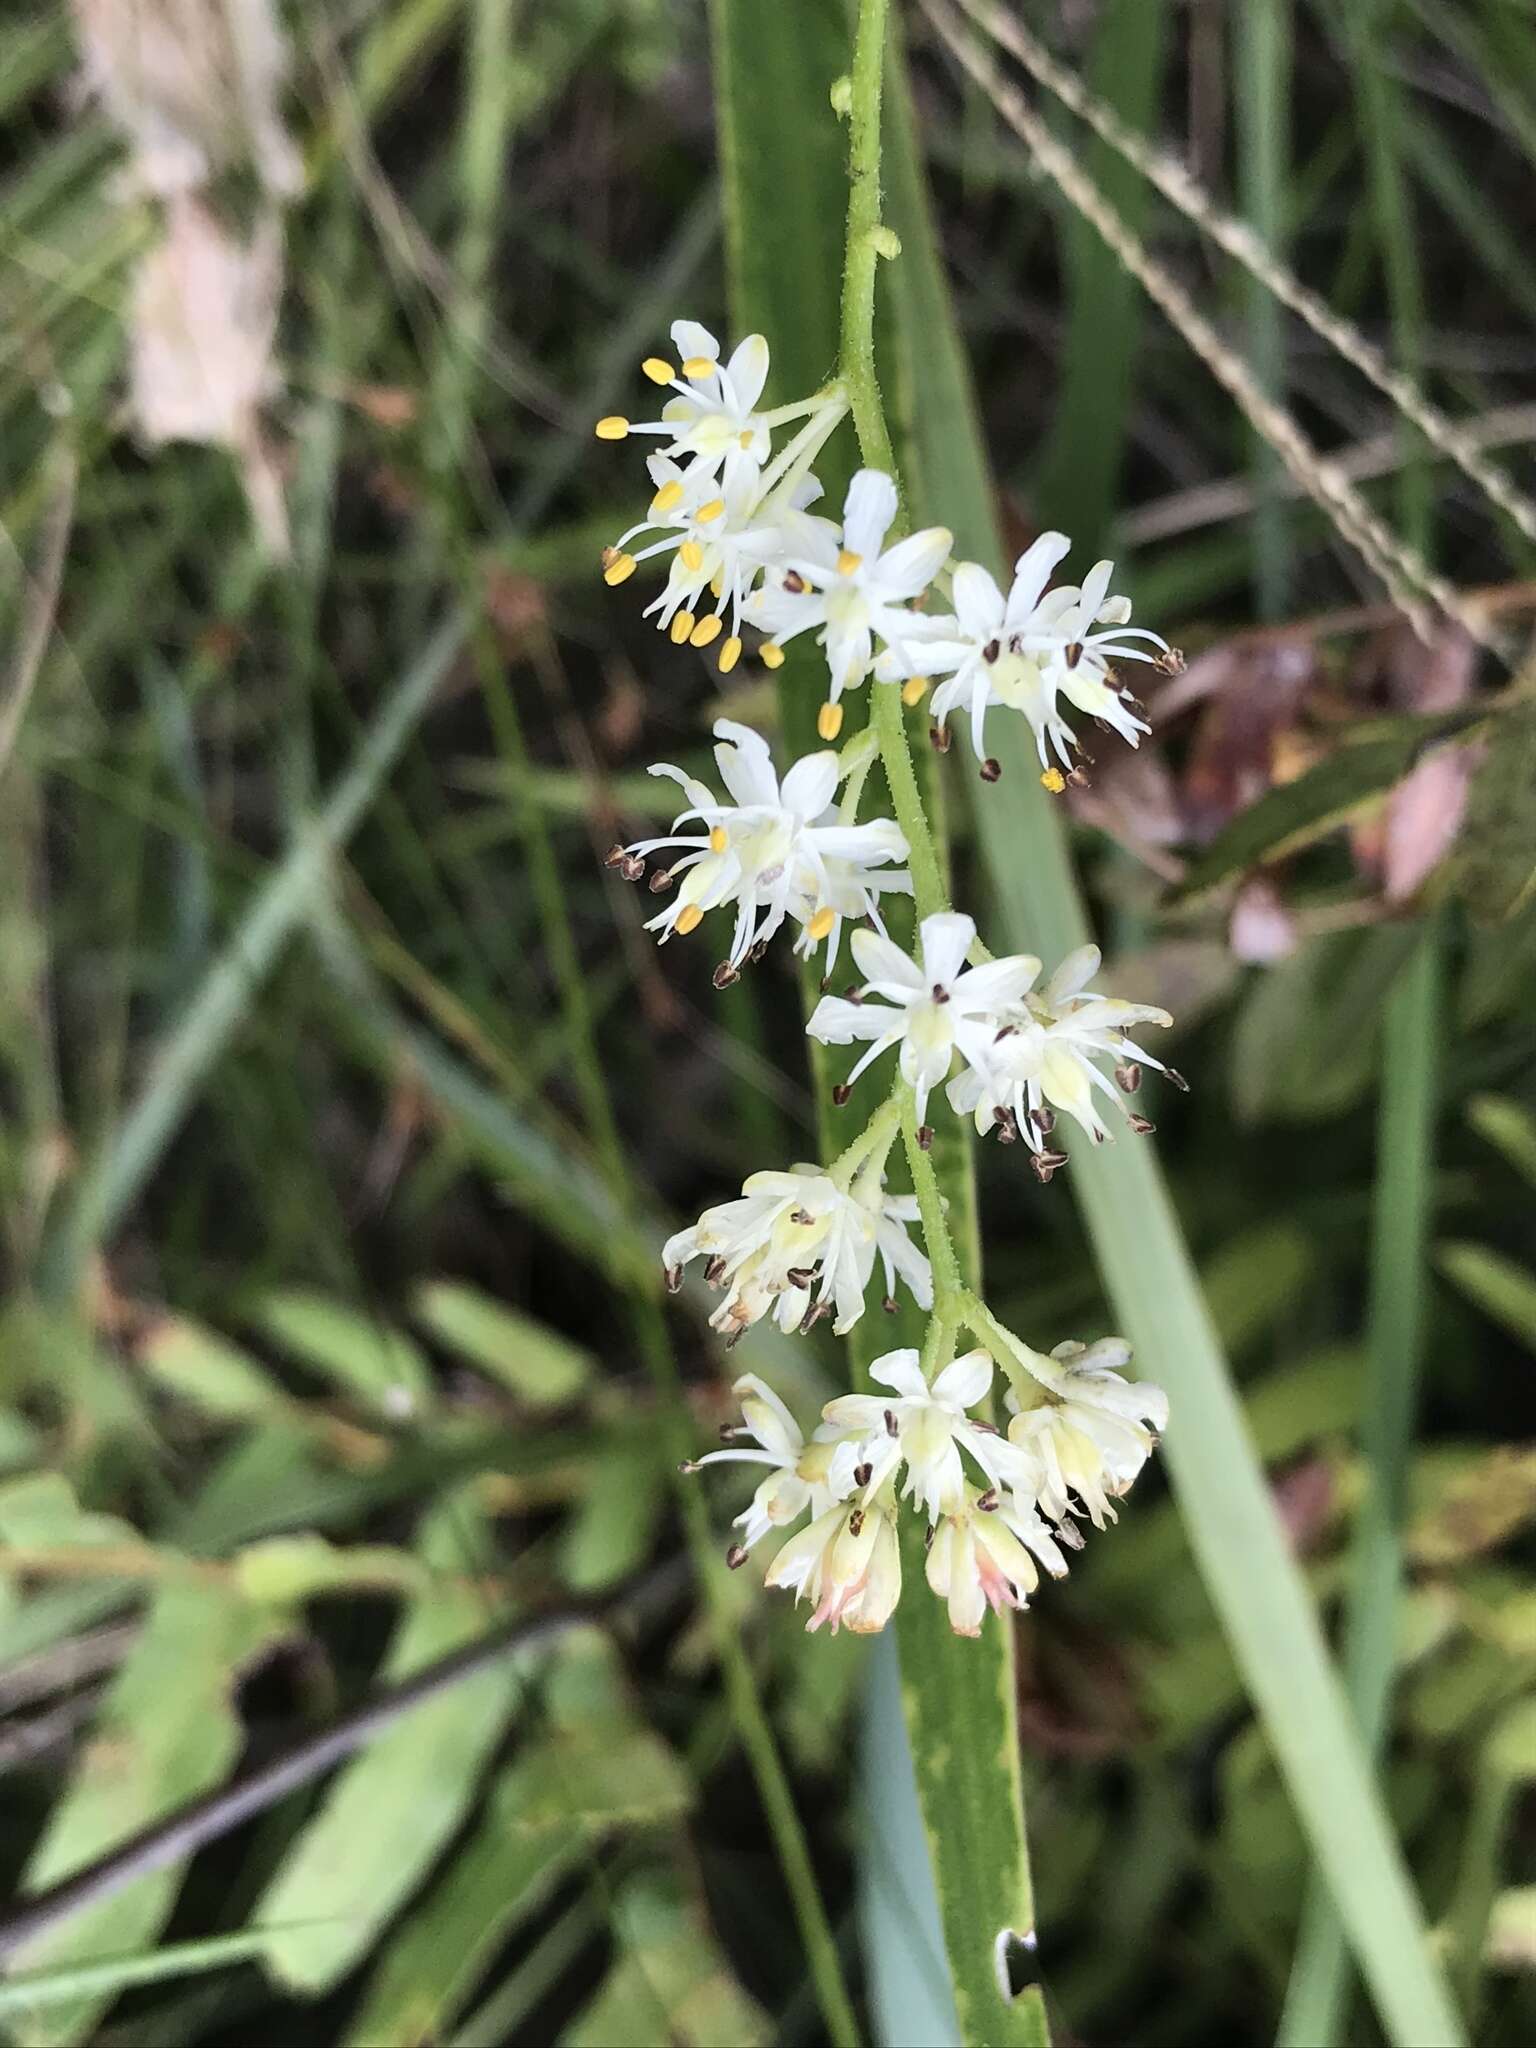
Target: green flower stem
pixel 875 1139
pixel 947 1285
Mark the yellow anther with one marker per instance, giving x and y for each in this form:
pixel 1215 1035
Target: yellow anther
pixel 822 922
pixel 688 918
pixel 699 366
pixel 848 561
pixel 745 437
pixel 692 555
pixel 1054 781
pixel 719 839
pixel 706 630
pixel 913 690
pixel 771 654
pixel 658 369
pixel 717 584
pixel 680 628
pixel 613 428
pixel 666 497
pixel 829 721
pixel 729 655
pixel 710 511
pixel 617 568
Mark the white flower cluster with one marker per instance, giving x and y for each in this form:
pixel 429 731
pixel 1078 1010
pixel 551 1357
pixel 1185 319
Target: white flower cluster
pixel 997 1507
pixel 1008 1049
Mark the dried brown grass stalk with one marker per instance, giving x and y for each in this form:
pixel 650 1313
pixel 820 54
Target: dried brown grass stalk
pixel 1406 575
pixel 1237 238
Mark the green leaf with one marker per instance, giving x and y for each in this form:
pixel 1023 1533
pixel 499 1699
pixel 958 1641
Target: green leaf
pixel 1307 1039
pixel 1294 814
pixel 1499 1287
pixel 613 1528
pixel 1495 860
pixel 365 1358
pixel 390 1813
pixel 34 1992
pixel 670 1983
pixel 536 1364
pixel 1509 1127
pixel 168 1731
pixel 197 1366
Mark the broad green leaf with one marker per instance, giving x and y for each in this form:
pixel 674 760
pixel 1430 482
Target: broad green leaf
pixel 535 1363
pixel 210 1372
pixel 1509 1127
pixel 167 1732
pixel 1499 1286
pixel 612 1529
pixel 1294 814
pixel 432 1964
pixel 389 1814
pixel 1477 1504
pixel 365 1358
pixel 283 1571
pixel 670 1981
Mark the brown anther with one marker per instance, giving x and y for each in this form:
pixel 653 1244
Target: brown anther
pixel 1007 1128
pixel 736 1556
pixel 890 1304
pixel 939 992
pixel 714 1272
pixel 661 881
pixel 1068 1532
pixel 800 1276
pixel 1015 643
pixel 801 1216
pixel 616 856
pixel 813 1316
pixel 725 975
pixel 986 1503
pixel 729 1431
pixel 1044 1120
pixel 1006 1031
pixel 890 1423
pixel 1133 704
pixel 854 993
pixel 991 769
pixel 1045 1164
pixel 674 1278
pixel 1143 1126
pixel 757 952
pixel 855 1521
pixel 1171 663
pixel 1172 1074
pixel 991 651
pixel 862 1474
pixel 735 1338
pixel 939 737
pixel 928 1535
pixel 794 582
pixel 1074 654
pixel 925 1137
pixel 840 1094
pixel 688 1466
pixel 1076 779
pixel 987 1428
pixel 1128 1076
pixel 632 867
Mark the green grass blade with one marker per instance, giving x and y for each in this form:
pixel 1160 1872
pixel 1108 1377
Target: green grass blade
pixel 33 1991
pixel 1261 49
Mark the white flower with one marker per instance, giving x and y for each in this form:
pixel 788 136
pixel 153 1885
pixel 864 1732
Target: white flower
pixel 926 1426
pixel 774 849
pixel 847 1563
pixel 794 1240
pixel 711 422
pixel 1029 649
pixel 978 1560
pixel 1045 1053
pixel 802 1475
pixel 1092 1433
pixel 833 888
pixel 851 591
pixel 932 1010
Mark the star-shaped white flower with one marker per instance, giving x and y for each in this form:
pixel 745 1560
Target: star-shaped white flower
pixel 847 1563
pixel 773 849
pixel 796 1240
pixel 1030 649
pixel 1045 1050
pixel 980 1558
pixel 1092 1433
pixel 926 1427
pixel 848 590
pixel 801 1475
pixel 711 422
pixel 932 1010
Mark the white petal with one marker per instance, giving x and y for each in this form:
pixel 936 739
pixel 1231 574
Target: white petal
pixel 978 603
pixel 745 764
pixel 776 1429
pixel 864 845
pixel 964 1381
pixel 1096 589
pixel 690 339
pixel 810 785
pixel 882 960
pixel 868 511
pixel 946 940
pixel 998 984
pixel 913 563
pixel 849 649
pixel 748 370
pixel 836 1021
pixel 1074 973
pixel 901 1370
pixel 1031 573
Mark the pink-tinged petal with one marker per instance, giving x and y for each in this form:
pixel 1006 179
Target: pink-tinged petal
pixel 998 984
pixel 868 511
pixel 978 603
pixel 745 764
pixel 1031 573
pixel 810 785
pixel 910 566
pixel 964 1381
pixel 946 939
pixel 882 961
pixel 836 1021
pixel 748 371
pixel 901 1370
pixel 690 340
